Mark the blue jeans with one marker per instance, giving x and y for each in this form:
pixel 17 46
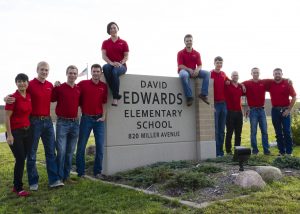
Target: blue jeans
pixel 42 129
pixel 258 116
pixel 67 132
pixel 185 80
pixel 282 126
pixel 87 124
pixel 112 74
pixel 220 121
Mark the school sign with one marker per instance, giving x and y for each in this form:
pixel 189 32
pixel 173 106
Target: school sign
pixel 152 123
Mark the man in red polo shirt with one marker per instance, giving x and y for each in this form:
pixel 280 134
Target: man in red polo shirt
pixel 255 93
pixel 219 78
pixel 67 126
pixel 280 91
pixel 189 66
pixel 92 99
pixel 234 119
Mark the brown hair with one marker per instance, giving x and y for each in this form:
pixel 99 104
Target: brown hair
pixel 71 67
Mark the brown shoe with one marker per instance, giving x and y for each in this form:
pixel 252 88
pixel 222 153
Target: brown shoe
pixel 204 98
pixel 189 101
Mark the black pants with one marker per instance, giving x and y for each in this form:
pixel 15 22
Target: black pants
pixel 234 123
pixel 20 148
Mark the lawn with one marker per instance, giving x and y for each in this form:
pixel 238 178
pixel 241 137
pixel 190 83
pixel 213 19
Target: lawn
pixel 85 196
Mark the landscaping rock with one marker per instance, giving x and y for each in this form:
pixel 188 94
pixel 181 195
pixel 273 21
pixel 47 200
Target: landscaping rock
pixel 91 150
pixel 269 173
pixel 249 178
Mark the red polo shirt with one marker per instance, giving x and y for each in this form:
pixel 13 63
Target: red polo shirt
pixel 115 50
pixel 280 93
pixel 255 92
pixel 189 59
pixel 219 84
pixel 21 110
pixel 41 97
pixel 67 98
pixel 233 97
pixel 92 97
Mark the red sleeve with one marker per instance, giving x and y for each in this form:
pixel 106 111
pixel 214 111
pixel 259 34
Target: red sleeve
pixel 179 59
pixel 292 91
pixel 125 47
pixel 10 107
pixel 103 47
pixel 267 83
pixel 54 94
pixel 199 62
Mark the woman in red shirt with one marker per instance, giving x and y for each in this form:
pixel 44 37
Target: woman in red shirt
pixel 18 135
pixel 115 52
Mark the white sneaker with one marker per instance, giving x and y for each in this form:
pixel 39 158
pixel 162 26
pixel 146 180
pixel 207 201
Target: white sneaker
pixel 34 187
pixel 57 183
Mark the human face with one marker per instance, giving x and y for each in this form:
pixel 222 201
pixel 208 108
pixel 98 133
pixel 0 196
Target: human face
pixel 43 71
pixel 22 85
pixel 218 65
pixel 235 76
pixel 72 75
pixel 113 31
pixel 188 42
pixel 255 73
pixel 96 73
pixel 277 75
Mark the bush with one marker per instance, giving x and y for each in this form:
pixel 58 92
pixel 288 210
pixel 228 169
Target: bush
pixel 287 162
pixel 207 169
pixel 189 181
pixel 296 127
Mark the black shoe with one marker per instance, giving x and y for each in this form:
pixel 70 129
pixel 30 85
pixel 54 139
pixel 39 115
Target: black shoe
pixel 189 101
pixel 119 97
pixel 204 98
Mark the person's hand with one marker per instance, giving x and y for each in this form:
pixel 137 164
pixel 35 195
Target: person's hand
pixel 118 65
pixel 227 82
pixel 9 100
pixel 195 74
pixel 56 84
pixel 286 112
pixel 290 82
pixel 102 119
pixel 10 140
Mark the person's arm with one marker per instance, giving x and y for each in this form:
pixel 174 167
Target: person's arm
pixel 103 113
pixel 124 60
pixel 106 59
pixel 9 99
pixel 10 138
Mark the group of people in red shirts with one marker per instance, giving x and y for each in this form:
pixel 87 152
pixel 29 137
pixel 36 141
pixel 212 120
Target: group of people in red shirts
pixel 28 110
pixel 227 101
pixel 28 116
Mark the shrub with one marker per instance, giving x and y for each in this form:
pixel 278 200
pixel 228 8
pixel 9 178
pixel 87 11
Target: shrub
pixel 296 127
pixel 207 169
pixel 287 162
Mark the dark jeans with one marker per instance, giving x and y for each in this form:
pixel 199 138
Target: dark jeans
pixel 220 120
pixel 234 123
pixel 87 124
pixel 42 129
pixel 112 74
pixel 20 149
pixel 282 126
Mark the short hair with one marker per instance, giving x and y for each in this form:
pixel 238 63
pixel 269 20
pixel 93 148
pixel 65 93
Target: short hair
pixel 71 67
pixel 218 58
pixel 21 77
pixel 109 26
pixel 254 69
pixel 187 36
pixel 277 69
pixel 41 64
pixel 96 66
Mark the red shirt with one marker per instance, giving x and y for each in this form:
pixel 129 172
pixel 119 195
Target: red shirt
pixel 21 109
pixel 92 97
pixel 67 100
pixel 189 59
pixel 255 92
pixel 233 97
pixel 280 93
pixel 115 50
pixel 219 84
pixel 41 97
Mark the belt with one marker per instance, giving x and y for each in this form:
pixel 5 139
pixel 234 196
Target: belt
pixel 24 128
pixel 68 118
pixel 281 108
pixel 257 107
pixel 217 102
pixel 96 117
pixel 40 117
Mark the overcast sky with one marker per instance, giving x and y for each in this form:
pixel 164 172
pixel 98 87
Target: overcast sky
pixel 246 34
